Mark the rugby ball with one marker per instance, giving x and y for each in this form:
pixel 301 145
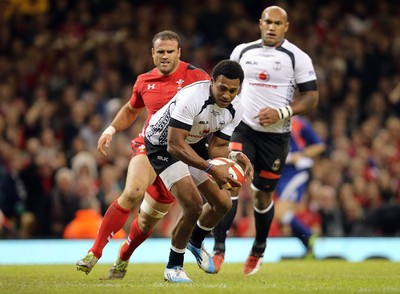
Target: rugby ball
pixel 235 170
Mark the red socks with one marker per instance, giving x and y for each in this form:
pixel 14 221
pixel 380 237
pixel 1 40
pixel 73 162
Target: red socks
pixel 135 238
pixel 113 221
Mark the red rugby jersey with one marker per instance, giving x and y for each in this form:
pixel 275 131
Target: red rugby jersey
pixel 152 90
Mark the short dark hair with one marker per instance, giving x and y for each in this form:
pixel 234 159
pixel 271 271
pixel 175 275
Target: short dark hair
pixel 167 35
pixel 229 69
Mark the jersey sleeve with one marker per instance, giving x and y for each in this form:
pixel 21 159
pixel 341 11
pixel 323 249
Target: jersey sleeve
pixel 235 55
pixel 195 75
pixel 185 109
pixel 136 100
pixel 201 75
pixel 304 70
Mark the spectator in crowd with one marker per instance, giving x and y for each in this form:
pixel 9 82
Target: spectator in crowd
pixel 64 201
pixel 87 219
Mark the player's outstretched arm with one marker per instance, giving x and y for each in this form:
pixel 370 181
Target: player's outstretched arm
pixel 124 118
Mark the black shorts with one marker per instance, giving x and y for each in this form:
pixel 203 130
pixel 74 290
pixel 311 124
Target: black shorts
pixel 267 152
pixel 160 159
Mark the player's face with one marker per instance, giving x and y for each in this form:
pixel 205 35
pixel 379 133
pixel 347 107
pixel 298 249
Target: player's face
pixel 166 55
pixel 273 26
pixel 224 90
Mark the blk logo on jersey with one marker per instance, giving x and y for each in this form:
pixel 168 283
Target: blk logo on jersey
pixel 151 86
pixel 263 76
pixel 162 158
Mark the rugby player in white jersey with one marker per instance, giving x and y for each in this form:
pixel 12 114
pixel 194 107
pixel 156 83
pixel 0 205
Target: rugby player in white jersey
pixel 194 126
pixel 274 68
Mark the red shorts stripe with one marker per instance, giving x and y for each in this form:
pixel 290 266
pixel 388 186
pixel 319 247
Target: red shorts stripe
pixel 269 175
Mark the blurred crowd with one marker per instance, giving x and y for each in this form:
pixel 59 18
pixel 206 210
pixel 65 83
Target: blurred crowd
pixel 66 67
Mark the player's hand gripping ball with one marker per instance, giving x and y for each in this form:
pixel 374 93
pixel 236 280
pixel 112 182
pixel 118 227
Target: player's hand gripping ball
pixel 235 171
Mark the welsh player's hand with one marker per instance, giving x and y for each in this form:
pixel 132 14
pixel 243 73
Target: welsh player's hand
pixel 103 143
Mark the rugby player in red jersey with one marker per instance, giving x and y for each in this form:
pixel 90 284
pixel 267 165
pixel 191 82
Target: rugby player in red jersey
pixel 151 91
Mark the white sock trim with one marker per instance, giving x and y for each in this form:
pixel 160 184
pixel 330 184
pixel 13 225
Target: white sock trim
pixel 203 228
pixel 177 250
pixel 264 210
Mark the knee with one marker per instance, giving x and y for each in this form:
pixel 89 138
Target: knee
pixel 262 199
pixel 193 211
pixel 146 223
pixel 132 196
pixel 225 205
pixel 222 204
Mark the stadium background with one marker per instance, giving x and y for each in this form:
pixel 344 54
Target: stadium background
pixel 67 66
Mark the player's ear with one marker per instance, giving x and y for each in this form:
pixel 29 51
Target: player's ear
pixel 287 27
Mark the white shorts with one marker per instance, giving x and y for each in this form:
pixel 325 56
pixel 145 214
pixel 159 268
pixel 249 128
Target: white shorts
pixel 179 170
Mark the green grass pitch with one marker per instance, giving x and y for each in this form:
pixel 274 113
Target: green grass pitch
pixel 288 276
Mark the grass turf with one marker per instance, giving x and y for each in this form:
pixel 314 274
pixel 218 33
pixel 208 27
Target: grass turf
pixel 288 276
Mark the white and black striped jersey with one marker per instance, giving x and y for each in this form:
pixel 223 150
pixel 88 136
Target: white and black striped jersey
pixel 193 109
pixel 271 77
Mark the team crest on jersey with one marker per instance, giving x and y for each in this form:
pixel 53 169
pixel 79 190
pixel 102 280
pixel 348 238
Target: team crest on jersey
pixel 277 65
pixel 263 76
pixel 180 83
pixel 276 165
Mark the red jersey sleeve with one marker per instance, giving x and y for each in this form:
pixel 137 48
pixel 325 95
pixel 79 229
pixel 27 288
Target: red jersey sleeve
pixel 136 100
pixel 195 75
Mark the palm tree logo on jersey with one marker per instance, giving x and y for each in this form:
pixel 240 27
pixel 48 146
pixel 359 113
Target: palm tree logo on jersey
pixel 215 112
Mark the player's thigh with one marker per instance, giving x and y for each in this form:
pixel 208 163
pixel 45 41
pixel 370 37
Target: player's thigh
pixel 187 195
pixel 162 207
pixel 140 174
pixel 151 212
pixel 159 192
pixel 271 152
